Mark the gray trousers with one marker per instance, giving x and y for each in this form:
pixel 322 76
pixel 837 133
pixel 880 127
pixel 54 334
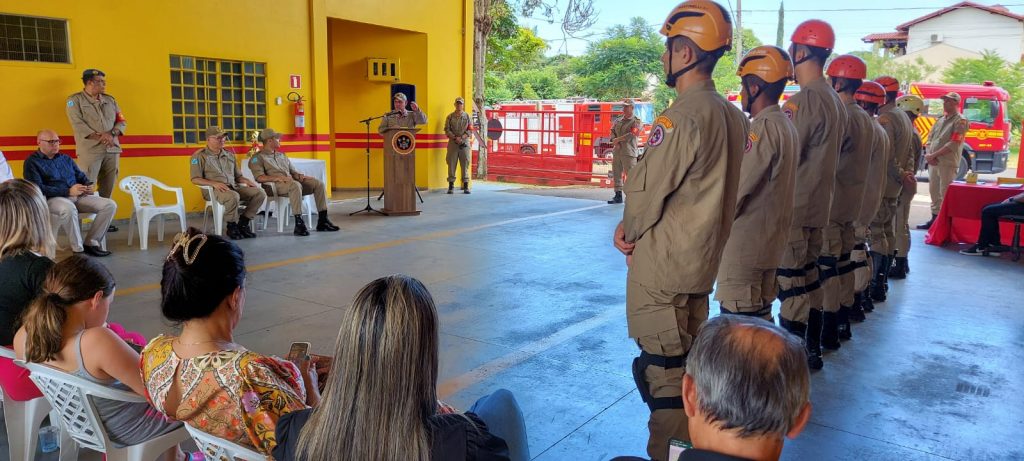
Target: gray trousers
pixel 67 209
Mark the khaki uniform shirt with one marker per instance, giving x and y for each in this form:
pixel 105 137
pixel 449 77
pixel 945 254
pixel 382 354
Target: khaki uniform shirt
pixel 875 185
pixel 409 120
pixel 854 162
pixel 948 128
pixel 455 126
pixel 270 163
pixel 898 127
pixel 764 203
pixel 820 121
pixel 88 116
pixel 628 146
pixel 220 167
pixel 682 194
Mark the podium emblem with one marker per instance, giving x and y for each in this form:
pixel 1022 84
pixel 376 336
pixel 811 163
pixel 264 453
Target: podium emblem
pixel 403 142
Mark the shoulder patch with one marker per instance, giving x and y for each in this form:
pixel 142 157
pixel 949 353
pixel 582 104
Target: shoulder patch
pixel 71 103
pixel 665 122
pixel 195 161
pixel 657 136
pixel 789 109
pixel 253 159
pixel 751 139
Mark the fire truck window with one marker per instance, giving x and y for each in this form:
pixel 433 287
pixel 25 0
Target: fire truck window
pixel 933 107
pixel 981 110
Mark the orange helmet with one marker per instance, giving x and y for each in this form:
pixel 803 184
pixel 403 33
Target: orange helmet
pixel 704 22
pixel 769 63
pixel 847 66
pixel 814 32
pixel 870 92
pixel 889 83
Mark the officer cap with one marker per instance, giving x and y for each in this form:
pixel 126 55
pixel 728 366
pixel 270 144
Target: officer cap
pixel 459 100
pixel 628 102
pixel 401 97
pixel 215 131
pixel 268 133
pixel 952 96
pixel 88 74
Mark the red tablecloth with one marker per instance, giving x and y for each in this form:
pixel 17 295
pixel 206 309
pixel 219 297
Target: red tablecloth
pixel 960 217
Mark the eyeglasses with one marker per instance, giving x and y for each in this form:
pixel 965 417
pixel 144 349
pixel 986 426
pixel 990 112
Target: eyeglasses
pixel 50 141
pixel 99 81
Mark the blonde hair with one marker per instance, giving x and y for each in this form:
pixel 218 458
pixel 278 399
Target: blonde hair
pixel 381 392
pixel 24 220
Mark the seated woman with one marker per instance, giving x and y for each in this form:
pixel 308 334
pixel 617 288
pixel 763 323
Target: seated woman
pixel 381 403
pixel 65 328
pixel 202 377
pixel 26 246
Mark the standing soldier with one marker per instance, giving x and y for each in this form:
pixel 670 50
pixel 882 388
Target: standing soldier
pixel 913 106
pixel 820 121
pixel 98 124
pixel 270 165
pixel 458 127
pixel 870 96
pixel 901 132
pixel 945 143
pixel 624 152
pixel 680 212
pixel 215 166
pixel 764 203
pixel 847 73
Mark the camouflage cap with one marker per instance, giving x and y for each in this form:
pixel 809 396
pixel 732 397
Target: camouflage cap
pixel 215 131
pixel 459 100
pixel 401 97
pixel 268 133
pixel 952 95
pixel 628 102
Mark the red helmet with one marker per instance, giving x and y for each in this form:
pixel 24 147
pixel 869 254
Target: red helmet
pixel 889 83
pixel 870 92
pixel 814 32
pixel 847 66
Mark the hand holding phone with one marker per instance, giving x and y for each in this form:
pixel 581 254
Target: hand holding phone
pixel 298 353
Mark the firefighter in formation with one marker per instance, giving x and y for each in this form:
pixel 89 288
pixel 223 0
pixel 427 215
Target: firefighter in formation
pixel 799 204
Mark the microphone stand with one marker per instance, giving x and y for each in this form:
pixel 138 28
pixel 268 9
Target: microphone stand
pixel 368 209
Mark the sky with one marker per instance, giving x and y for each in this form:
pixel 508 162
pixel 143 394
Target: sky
pixel 854 19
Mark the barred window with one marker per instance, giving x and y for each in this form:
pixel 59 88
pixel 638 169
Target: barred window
pixel 205 92
pixel 28 38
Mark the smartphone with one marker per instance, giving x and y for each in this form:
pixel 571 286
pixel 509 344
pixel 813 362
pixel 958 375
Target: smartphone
pixel 298 352
pixel 676 448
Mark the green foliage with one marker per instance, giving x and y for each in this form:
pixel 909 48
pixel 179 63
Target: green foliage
pixel 621 65
pixel 906 72
pixel 725 76
pixel 523 49
pixel 535 84
pixel 991 67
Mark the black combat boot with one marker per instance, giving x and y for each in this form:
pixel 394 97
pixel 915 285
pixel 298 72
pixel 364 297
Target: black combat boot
pixel 899 270
pixel 323 224
pixel 465 187
pixel 813 339
pixel 855 313
pixel 616 199
pixel 829 330
pixel 300 227
pixel 799 329
pixel 843 318
pixel 451 187
pixel 232 232
pixel 927 225
pixel 906 264
pixel 878 270
pixel 245 229
pixel 866 304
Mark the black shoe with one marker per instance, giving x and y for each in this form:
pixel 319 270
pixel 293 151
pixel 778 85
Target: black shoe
pixel 799 329
pixel 981 250
pixel 927 225
pixel 854 313
pixel 112 228
pixel 844 316
pixel 244 229
pixel 233 232
pixel 898 270
pixel 95 251
pixel 451 188
pixel 866 304
pixel 829 331
pixel 878 271
pixel 465 188
pixel 325 225
pixel 815 320
pixel 300 227
pixel 616 199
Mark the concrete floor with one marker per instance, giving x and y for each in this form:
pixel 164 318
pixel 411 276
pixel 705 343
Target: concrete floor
pixel 531 295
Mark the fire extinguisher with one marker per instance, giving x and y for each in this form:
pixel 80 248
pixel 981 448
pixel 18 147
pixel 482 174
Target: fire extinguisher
pixel 300 113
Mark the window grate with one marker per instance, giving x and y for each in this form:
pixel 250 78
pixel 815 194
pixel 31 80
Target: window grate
pixel 28 38
pixel 205 92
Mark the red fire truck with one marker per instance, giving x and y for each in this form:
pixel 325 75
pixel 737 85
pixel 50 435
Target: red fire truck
pixel 556 143
pixel 987 143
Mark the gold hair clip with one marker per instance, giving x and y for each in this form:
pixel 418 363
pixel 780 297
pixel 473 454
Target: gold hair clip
pixel 183 242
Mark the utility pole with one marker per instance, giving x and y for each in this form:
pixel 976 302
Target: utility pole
pixel 739 30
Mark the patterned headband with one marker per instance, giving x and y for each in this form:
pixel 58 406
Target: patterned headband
pixel 184 242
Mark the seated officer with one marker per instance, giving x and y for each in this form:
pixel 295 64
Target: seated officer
pixel 270 165
pixel 215 166
pixel 69 191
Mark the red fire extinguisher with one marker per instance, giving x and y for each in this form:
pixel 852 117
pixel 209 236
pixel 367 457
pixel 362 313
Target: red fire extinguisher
pixel 300 113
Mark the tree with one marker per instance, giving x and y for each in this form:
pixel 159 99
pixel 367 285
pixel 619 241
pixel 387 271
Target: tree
pixel 782 18
pixel 542 83
pixel 991 67
pixel 523 49
pixel 905 72
pixel 725 76
pixel 621 65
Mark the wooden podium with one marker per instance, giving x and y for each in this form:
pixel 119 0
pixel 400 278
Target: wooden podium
pixel 400 172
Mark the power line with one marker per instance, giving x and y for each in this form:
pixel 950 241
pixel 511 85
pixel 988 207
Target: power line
pixel 897 8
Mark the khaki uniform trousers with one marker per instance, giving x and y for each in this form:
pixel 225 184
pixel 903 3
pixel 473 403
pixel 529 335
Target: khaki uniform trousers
pixel 939 178
pixel 621 164
pixel 751 293
pixel 252 197
pixel 102 169
pixel 837 290
pixel 294 190
pixel 861 275
pixel 799 272
pixel 903 221
pixel 458 156
pixel 664 323
pixel 883 228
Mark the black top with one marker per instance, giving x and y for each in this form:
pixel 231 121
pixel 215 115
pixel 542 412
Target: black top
pixel 691 454
pixel 21 279
pixel 453 438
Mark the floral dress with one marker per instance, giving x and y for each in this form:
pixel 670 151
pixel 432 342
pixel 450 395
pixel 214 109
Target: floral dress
pixel 237 395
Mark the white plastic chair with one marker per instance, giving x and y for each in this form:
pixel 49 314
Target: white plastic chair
pixel 216 448
pixel 72 397
pixel 145 208
pixel 217 210
pixel 57 225
pixel 23 420
pixel 281 204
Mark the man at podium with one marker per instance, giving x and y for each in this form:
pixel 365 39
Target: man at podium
pixel 402 118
